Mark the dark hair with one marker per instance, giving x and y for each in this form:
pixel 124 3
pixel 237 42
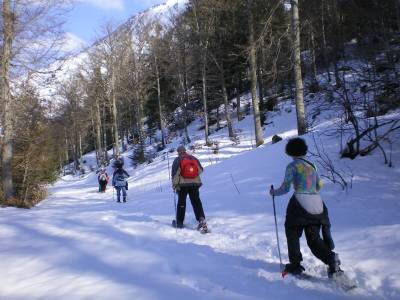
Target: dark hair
pixel 296 147
pixel 118 164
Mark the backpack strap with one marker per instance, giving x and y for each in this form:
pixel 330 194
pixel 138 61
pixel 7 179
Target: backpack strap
pixel 308 162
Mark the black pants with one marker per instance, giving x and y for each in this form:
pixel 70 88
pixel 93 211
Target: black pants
pixel 103 185
pixel 316 244
pixel 194 199
pixel 299 220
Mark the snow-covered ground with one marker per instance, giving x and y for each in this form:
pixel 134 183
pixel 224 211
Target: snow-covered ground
pixel 80 244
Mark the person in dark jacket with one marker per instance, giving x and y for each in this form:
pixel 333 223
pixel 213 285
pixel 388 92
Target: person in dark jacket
pixel 306 212
pixel 185 174
pixel 119 181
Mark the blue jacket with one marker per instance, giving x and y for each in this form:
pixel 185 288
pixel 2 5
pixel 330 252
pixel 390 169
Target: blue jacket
pixel 118 174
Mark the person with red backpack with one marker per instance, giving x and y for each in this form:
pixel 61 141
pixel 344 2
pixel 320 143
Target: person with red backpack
pixel 185 174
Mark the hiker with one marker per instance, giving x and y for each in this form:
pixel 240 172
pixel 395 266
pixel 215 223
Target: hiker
pixel 306 212
pixel 103 180
pixel 119 181
pixel 186 180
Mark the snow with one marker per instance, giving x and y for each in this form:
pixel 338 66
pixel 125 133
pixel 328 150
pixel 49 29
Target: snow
pixel 80 244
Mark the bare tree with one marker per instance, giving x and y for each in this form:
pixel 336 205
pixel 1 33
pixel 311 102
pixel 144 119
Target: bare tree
pixel 300 110
pixel 203 19
pixel 114 48
pixel 7 143
pixel 154 36
pixel 253 76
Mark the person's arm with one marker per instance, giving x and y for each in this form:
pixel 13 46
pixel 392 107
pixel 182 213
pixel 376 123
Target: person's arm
pixel 126 173
pixel 175 167
pixel 285 186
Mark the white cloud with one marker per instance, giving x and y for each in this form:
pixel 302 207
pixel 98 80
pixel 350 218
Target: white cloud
pixel 106 4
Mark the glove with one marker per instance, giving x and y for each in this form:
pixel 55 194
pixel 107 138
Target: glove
pixel 271 191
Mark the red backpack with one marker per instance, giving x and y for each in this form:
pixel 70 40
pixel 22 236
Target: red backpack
pixel 189 167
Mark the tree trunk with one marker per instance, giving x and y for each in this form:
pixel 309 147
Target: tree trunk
pixel 93 129
pixel 238 89
pixel 123 147
pixel 186 95
pixel 114 113
pixel 76 158
pixel 105 134
pixel 314 64
pixel 226 106
pixel 76 141
pixel 162 127
pixel 80 147
pixel 66 146
pixel 260 87
pixel 253 78
pixel 139 120
pixel 185 100
pixel 204 48
pixel 97 120
pixel 300 111
pixel 218 119
pixel 98 132
pixel 7 144
pixel 187 137
pixel 324 46
pixel 25 185
pixel 205 112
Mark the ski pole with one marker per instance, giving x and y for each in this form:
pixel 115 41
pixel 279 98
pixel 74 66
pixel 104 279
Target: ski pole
pixel 176 224
pixel 169 170
pixel 113 193
pixel 277 236
pixel 175 204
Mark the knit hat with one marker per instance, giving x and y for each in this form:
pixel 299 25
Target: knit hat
pixel 181 149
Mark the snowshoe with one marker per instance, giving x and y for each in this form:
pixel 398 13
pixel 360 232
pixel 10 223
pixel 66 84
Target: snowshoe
pixel 343 281
pixel 337 275
pixel 293 269
pixel 202 227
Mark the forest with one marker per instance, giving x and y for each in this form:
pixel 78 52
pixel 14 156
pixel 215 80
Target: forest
pixel 143 82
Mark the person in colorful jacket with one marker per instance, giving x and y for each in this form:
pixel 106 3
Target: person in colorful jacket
pixel 183 184
pixel 306 212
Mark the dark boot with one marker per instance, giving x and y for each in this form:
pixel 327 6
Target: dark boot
pixel 334 266
pixel 294 269
pixel 177 225
pixel 124 199
pixel 119 201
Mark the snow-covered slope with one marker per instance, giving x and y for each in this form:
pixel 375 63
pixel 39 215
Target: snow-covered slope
pixel 79 244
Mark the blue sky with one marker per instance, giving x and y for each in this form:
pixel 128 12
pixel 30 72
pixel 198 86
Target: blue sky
pixel 85 21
